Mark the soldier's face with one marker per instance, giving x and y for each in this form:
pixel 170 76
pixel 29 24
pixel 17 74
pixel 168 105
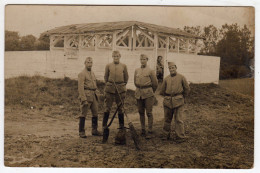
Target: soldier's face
pixel 143 61
pixel 88 64
pixel 172 69
pixel 116 58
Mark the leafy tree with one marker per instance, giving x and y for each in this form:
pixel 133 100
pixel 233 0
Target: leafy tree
pixel 43 43
pixel 235 49
pixel 27 42
pixel 12 41
pixel 211 37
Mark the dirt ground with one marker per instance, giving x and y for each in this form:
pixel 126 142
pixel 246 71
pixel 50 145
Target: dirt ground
pixel 219 123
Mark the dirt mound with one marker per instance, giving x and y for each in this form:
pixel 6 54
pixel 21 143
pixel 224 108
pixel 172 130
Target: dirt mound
pixel 38 92
pixel 219 123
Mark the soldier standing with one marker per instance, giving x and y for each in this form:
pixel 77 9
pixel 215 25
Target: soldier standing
pixel 115 72
pixel 146 84
pixel 87 88
pixel 175 89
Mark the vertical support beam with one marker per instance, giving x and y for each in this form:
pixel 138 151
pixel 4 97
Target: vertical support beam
pixel 167 44
pixel 96 41
pixel 130 38
pixel 196 46
pixel 51 42
pixel 134 38
pixel 187 45
pixel 145 42
pixel 155 49
pixel 65 42
pixel 165 61
pixel 178 45
pixel 80 42
pixel 114 41
pixel 93 40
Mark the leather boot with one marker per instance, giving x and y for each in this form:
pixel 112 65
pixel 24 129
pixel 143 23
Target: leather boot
pixel 121 120
pixel 150 123
pixel 150 127
pixel 95 132
pixel 142 120
pixel 105 129
pixel 105 119
pixel 82 127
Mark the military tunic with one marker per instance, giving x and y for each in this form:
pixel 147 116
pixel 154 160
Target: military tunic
pixel 146 83
pixel 115 73
pixel 174 89
pixel 87 88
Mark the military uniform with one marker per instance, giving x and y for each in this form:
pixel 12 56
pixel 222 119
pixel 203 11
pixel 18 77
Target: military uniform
pixel 146 84
pixel 87 89
pixel 115 72
pixel 174 89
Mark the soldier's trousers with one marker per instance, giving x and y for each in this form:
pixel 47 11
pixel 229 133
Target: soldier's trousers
pixel 146 105
pixel 93 106
pixel 177 113
pixel 110 98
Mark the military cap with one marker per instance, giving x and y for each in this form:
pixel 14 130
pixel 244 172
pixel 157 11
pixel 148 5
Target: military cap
pixel 171 64
pixel 88 59
pixel 116 52
pixel 144 56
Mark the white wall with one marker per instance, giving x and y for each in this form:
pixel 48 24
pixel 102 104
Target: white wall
pixel 197 69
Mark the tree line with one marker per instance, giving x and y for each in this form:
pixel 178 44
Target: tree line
pixel 13 42
pixel 232 43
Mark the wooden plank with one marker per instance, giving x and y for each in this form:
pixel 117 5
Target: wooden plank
pixel 178 45
pixel 187 45
pixel 134 37
pixel 147 35
pixel 155 50
pixel 130 38
pixel 122 35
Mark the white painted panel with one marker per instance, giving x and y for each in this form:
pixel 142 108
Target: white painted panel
pixel 197 69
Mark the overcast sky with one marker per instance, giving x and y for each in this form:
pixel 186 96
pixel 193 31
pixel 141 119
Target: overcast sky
pixel 35 19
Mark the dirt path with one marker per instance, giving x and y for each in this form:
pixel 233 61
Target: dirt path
pixel 221 135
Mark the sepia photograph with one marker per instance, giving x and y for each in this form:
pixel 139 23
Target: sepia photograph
pixel 127 86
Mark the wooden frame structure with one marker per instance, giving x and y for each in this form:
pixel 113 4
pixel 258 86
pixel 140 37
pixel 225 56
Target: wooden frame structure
pixel 130 36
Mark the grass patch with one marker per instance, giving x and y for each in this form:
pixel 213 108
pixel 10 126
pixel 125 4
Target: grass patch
pixel 39 92
pixel 243 86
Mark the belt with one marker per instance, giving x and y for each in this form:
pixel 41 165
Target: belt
pixel 172 95
pixel 90 89
pixel 117 82
pixel 143 87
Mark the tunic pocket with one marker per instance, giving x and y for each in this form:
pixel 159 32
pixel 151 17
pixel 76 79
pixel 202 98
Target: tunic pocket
pixel 167 102
pixel 177 101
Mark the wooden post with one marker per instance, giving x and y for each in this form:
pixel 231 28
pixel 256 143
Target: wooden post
pixel 178 45
pixel 134 37
pixel 196 47
pixel 130 39
pixel 187 45
pixel 51 42
pixel 114 41
pixel 165 61
pixel 65 42
pixel 96 41
pixel 155 49
pixel 80 42
pixel 145 42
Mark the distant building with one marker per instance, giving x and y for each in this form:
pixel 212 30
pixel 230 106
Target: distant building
pixel 69 45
